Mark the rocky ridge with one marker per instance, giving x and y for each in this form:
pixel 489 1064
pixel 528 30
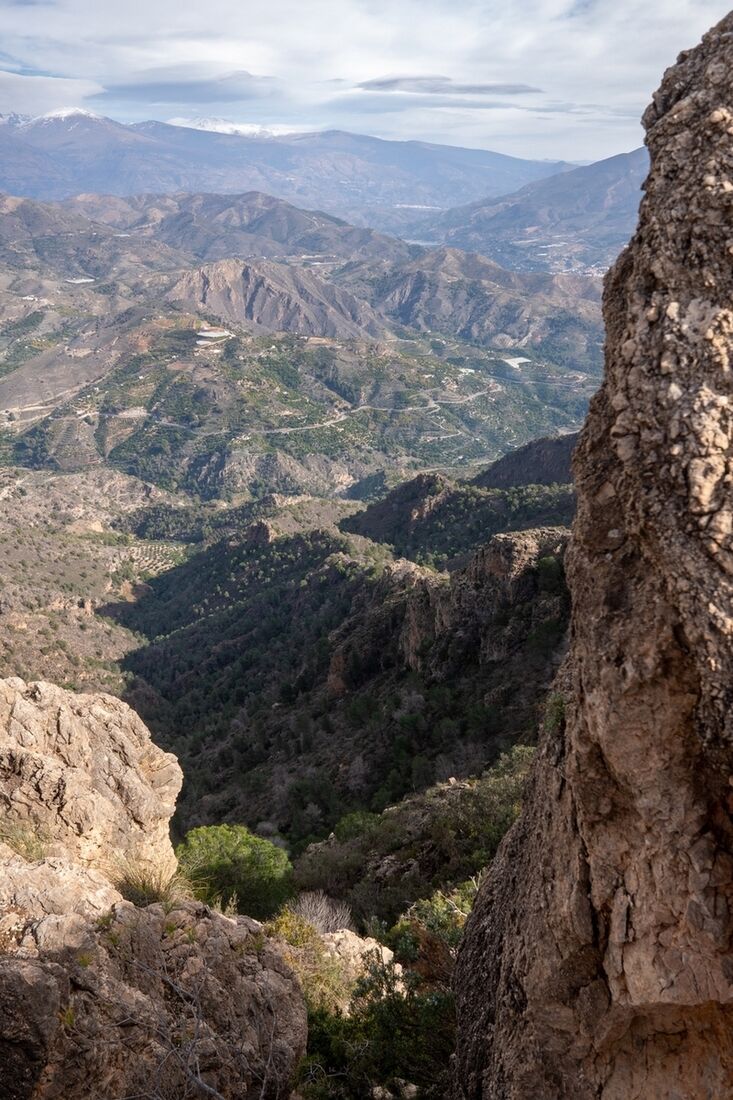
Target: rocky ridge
pixel 541 462
pixel 97 996
pixel 597 961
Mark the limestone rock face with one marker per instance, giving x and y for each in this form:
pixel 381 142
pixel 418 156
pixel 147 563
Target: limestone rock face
pixel 100 998
pixel 443 622
pixel 83 772
pixel 597 963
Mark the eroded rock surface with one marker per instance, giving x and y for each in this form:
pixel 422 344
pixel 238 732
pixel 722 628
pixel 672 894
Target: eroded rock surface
pixel 598 963
pixel 153 1002
pixel 100 998
pixel 83 772
pixel 354 953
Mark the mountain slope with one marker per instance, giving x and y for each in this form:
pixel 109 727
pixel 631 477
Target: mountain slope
pixel 212 227
pixel 399 359
pixel 275 298
pixel 539 462
pixel 576 221
pixel 435 519
pixel 468 296
pixel 301 676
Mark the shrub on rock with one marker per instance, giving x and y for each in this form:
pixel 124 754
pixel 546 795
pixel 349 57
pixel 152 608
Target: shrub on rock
pixel 234 868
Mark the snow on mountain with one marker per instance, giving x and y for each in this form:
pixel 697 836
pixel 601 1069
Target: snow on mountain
pixel 224 126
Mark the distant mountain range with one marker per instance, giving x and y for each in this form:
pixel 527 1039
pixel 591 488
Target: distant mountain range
pixel 372 182
pixel 255 260
pixel 216 227
pixel 576 221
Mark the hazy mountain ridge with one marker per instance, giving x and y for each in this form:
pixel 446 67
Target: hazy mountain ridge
pixel 375 181
pixel 579 221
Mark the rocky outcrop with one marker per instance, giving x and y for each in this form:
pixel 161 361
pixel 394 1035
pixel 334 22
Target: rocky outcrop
pixel 98 997
pixel 82 772
pixel 158 1003
pixel 241 469
pixel 433 624
pixel 509 589
pixel 597 961
pixel 353 953
pixel 433 518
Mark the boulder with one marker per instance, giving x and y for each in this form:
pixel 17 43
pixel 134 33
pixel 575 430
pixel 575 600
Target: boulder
pixel 100 998
pixel 353 952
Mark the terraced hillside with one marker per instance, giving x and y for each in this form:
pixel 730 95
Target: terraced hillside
pixel 119 349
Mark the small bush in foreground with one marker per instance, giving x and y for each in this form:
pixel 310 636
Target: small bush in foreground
pixel 325 986
pixel 231 865
pixel 325 914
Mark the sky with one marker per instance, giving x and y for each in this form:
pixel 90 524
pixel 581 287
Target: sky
pixel 542 78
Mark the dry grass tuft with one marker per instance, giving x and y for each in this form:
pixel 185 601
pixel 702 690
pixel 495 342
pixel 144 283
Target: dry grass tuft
pixel 26 840
pixel 147 884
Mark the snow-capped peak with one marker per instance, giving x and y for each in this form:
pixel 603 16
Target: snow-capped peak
pixel 14 119
pixel 224 126
pixel 67 112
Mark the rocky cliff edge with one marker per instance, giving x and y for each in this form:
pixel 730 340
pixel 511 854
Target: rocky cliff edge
pixel 100 998
pixel 597 963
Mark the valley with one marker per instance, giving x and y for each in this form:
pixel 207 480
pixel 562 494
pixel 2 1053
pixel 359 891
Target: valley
pixel 298 492
pixel 366 554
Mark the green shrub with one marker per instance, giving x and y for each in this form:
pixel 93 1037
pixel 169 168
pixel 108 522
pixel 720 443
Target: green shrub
pixel 439 838
pixel 356 824
pixel 551 574
pixel 396 1030
pixel 554 711
pixel 233 866
pixel 442 916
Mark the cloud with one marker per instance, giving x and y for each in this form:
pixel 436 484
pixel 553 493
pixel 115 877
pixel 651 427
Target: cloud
pixel 440 85
pixel 179 87
pixel 35 95
pixel 544 78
